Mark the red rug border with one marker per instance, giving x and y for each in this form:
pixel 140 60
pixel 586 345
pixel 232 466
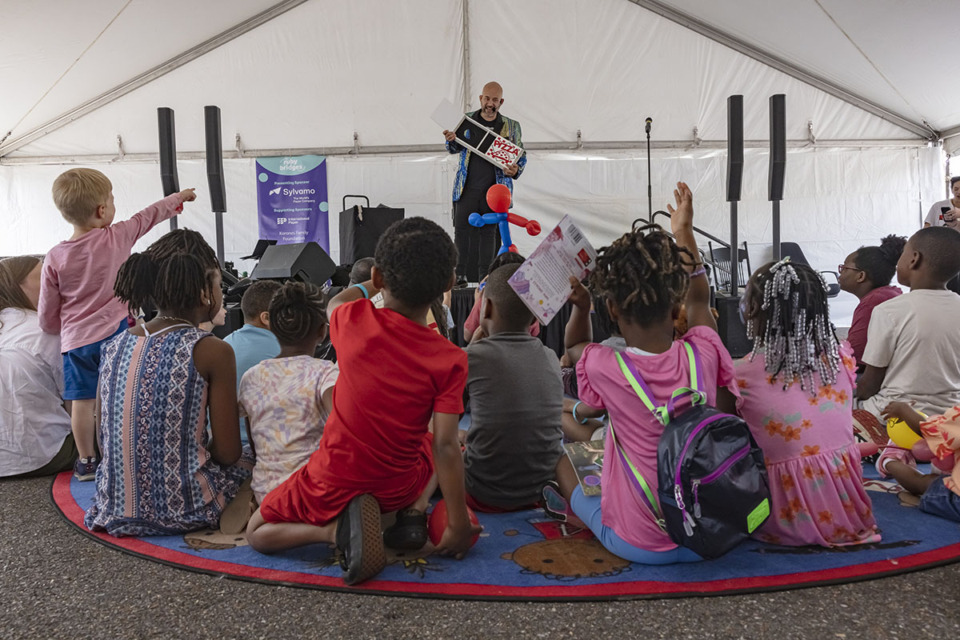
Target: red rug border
pixel 63 500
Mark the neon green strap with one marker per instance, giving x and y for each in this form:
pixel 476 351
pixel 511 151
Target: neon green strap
pixel 639 481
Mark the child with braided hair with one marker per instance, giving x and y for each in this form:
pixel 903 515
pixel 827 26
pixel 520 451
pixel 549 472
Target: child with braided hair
pixel 796 395
pixel 644 277
pixel 287 399
pixel 161 473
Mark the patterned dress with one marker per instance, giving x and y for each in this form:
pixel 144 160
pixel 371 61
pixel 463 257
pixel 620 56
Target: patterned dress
pixel 157 476
pixel 282 397
pixel 816 481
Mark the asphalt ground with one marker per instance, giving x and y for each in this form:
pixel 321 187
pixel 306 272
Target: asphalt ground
pixel 57 583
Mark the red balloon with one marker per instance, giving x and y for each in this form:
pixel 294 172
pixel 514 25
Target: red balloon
pixel 498 198
pixel 437 521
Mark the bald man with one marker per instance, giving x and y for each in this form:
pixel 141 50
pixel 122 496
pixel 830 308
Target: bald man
pixel 478 246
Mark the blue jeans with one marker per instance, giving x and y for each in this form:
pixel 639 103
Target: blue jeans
pixel 939 501
pixel 588 509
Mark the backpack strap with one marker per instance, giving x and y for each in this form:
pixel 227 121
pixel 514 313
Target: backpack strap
pixel 663 413
pixel 638 481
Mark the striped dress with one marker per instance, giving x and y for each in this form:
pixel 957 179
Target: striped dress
pixel 157 476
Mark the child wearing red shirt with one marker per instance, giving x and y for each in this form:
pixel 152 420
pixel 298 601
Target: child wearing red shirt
pixel 376 454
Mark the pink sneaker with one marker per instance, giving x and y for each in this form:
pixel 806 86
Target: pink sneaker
pixel 893 452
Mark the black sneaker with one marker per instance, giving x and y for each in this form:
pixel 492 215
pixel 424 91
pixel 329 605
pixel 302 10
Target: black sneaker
pixel 409 532
pixel 360 540
pixel 85 469
pixel 461 282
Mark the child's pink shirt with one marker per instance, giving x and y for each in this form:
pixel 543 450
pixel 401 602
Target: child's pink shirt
pixel 76 288
pixel 602 385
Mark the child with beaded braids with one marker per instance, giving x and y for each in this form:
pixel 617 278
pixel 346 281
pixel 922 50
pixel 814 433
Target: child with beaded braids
pixel 161 473
pixel 644 278
pixel 796 395
pixel 287 399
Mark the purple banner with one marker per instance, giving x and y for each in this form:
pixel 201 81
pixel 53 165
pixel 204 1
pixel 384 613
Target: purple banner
pixel 292 200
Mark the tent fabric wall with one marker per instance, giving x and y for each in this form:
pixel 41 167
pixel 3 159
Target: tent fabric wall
pixel 835 200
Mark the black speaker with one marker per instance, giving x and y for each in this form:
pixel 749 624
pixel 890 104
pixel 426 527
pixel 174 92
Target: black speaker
pixel 168 151
pixel 361 228
pixel 211 120
pixel 733 333
pixel 778 145
pixel 306 261
pixel 734 147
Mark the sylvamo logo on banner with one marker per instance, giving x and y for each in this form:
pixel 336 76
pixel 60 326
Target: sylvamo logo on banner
pixel 292 199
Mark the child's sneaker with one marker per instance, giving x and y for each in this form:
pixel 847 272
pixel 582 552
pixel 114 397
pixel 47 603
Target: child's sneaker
pixel 360 540
pixel 893 452
pixel 85 469
pixel 409 532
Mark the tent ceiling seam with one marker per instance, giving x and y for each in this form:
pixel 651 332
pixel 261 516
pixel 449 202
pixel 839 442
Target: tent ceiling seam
pixel 866 57
pixel 65 72
pixel 386 150
pixel 149 76
pixel 465 39
pixel 751 51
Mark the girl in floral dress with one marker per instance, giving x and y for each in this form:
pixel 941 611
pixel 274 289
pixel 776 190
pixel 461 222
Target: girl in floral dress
pixel 796 393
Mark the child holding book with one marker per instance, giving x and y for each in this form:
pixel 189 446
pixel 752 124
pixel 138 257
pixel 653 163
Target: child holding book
pixel 76 291
pixel 375 454
pixel 516 398
pixel 644 277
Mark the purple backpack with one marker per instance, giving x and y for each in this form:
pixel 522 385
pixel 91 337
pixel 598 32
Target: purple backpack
pixel 713 489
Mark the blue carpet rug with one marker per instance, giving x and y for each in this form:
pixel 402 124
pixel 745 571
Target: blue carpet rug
pixel 526 556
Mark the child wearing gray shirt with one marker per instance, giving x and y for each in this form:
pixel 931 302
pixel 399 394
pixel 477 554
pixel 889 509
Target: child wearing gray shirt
pixel 516 400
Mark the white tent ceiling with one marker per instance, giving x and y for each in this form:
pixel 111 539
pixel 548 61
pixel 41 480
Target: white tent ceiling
pixel 322 70
pixel 868 86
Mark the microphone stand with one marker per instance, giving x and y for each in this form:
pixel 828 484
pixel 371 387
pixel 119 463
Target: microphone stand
pixel 649 187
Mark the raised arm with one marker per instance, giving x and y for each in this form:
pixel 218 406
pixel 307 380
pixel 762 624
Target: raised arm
pixel 698 295
pixel 579 331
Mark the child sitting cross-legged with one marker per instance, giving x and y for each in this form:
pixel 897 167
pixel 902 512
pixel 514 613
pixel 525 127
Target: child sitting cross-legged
pixel 644 277
pixel 375 454
pixel 161 473
pixel 287 399
pixel 516 398
pixel 796 395
pixel 939 494
pixel 913 346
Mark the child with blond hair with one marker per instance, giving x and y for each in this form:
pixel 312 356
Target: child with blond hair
pixel 76 290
